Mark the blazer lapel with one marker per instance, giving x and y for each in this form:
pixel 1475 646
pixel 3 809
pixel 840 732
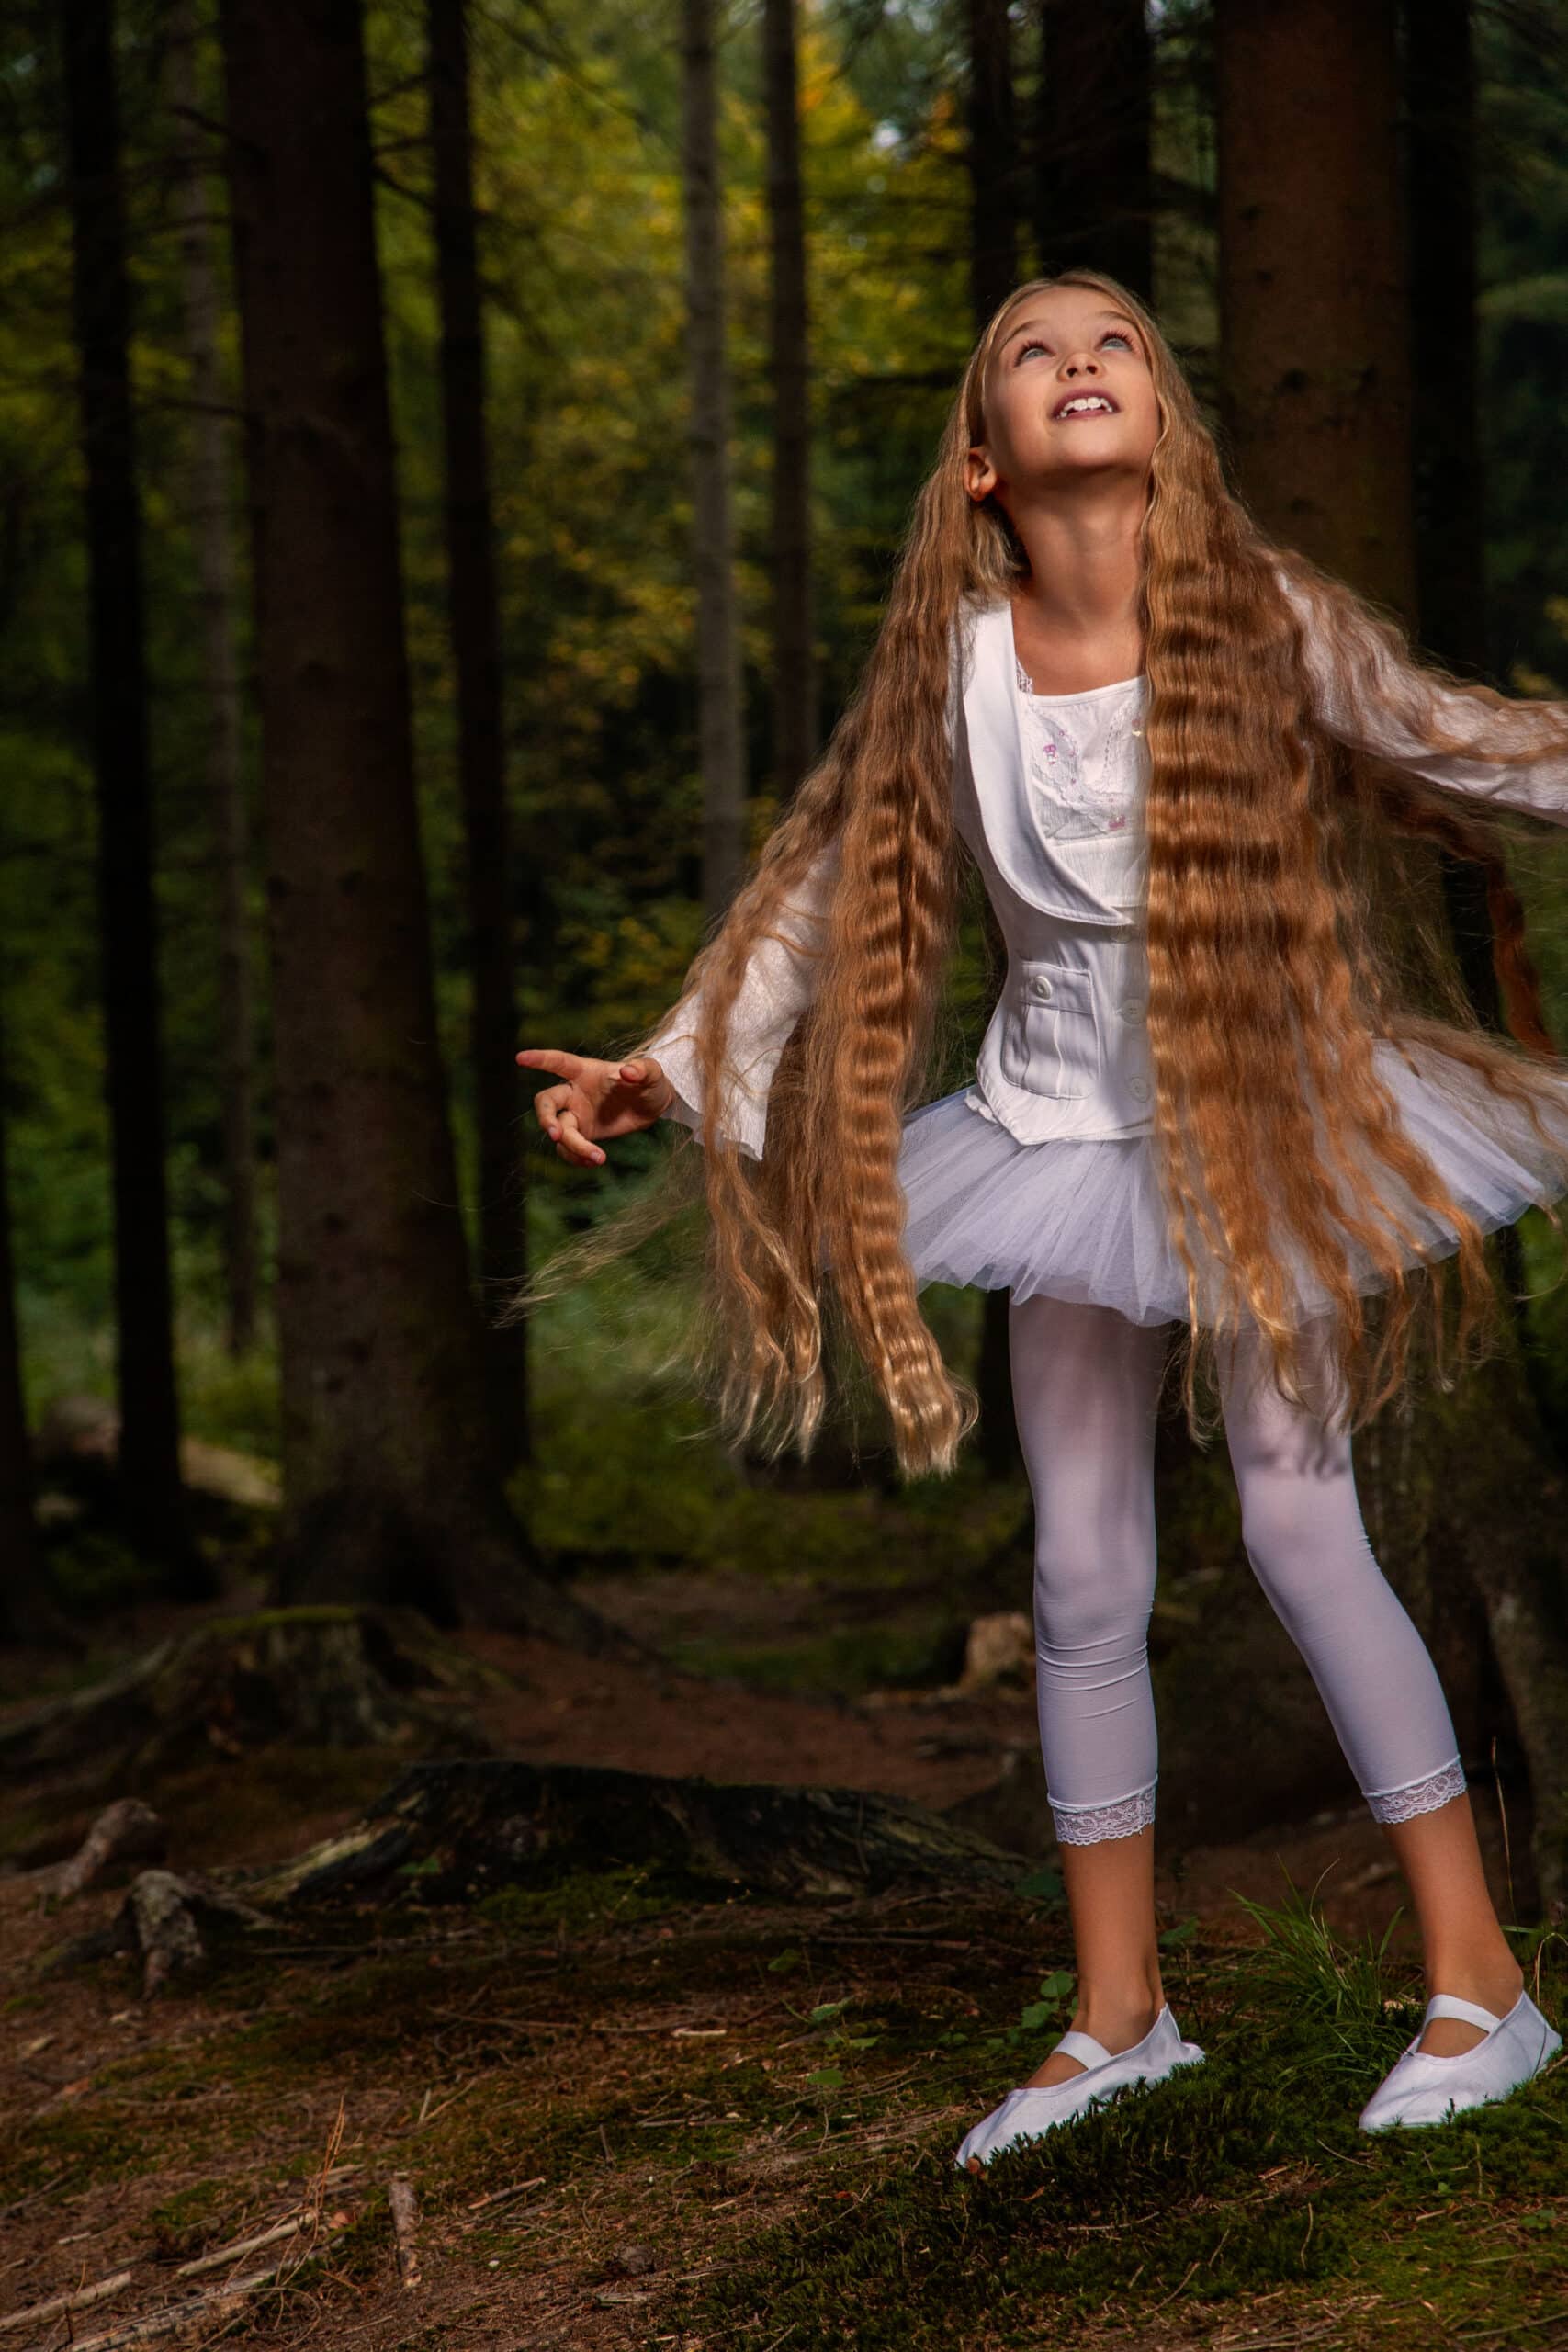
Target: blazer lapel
pixel 991 768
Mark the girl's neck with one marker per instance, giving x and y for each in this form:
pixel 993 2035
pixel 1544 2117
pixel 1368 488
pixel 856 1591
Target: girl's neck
pixel 1075 618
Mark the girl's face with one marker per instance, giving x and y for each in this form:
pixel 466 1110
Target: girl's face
pixel 1069 398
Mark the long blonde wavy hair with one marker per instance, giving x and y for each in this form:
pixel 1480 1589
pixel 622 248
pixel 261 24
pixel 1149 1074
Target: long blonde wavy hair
pixel 1270 982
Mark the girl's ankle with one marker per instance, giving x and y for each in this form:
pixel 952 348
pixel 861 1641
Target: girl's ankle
pixel 1472 1980
pixel 1125 2020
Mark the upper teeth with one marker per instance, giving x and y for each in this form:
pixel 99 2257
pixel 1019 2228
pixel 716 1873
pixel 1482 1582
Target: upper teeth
pixel 1086 401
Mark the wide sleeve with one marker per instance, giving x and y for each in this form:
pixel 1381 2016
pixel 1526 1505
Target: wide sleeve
pixel 779 981
pixel 1373 701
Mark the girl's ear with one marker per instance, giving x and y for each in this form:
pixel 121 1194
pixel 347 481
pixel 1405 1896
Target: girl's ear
pixel 980 477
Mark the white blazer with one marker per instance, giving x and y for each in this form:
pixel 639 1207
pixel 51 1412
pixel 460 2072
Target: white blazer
pixel 1066 1052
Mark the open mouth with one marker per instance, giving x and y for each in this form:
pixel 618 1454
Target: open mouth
pixel 1085 404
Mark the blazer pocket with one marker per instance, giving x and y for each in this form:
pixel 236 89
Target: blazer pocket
pixel 1050 1042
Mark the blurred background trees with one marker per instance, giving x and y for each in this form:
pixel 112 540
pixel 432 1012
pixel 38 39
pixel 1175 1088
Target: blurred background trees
pixel 430 557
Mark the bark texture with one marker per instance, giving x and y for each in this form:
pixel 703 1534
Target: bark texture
pixel 1313 282
pixel 795 663
pixel 28 1608
pixel 721 741
pixel 475 626
pixel 151 1498
pixel 1092 123
pixel 214 522
pixel 993 159
pixel 458 1830
pixel 315 1678
pixel 391 1489
pixel 1450 477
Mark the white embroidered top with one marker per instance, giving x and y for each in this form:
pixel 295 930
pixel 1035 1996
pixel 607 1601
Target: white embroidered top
pixel 1087 771
pixel 1089 782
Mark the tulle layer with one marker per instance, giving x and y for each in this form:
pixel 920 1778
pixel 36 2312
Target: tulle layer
pixel 1083 1218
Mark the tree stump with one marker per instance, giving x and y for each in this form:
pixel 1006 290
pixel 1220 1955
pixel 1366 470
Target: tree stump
pixel 311 1677
pixel 458 1830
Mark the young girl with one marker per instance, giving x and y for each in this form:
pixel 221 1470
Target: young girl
pixel 1203 1106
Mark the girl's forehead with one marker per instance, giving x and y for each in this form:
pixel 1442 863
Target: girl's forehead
pixel 1079 305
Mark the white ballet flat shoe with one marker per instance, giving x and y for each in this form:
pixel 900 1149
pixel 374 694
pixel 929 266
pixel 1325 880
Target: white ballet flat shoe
pixel 1027 2113
pixel 1421 2089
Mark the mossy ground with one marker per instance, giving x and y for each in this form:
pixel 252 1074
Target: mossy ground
pixel 731 2123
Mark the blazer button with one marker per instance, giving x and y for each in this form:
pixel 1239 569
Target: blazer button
pixel 1133 1011
pixel 1139 1088
pixel 1040 986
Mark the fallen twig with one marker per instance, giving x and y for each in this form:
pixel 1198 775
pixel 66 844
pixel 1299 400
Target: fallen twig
pixel 424 2118
pixel 77 2299
pixel 215 2302
pixel 1470 2334
pixel 215 2261
pixel 405 2222
pixel 504 2196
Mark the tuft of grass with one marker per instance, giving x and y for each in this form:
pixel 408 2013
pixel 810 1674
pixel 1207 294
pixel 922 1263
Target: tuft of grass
pixel 1334 1996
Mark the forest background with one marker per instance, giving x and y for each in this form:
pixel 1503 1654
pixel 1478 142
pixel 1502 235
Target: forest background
pixel 633 264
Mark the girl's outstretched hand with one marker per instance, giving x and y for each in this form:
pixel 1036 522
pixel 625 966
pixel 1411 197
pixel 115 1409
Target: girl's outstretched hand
pixel 595 1099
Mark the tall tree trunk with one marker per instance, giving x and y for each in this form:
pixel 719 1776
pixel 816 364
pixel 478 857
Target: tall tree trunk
pixel 993 159
pixel 213 524
pixel 993 273
pixel 1519 1592
pixel 1450 540
pixel 1450 545
pixel 475 620
pixel 722 748
pixel 28 1610
pixel 1313 282
pixel 389 1481
pixel 795 664
pixel 151 1498
pixel 1093 200
pixel 1315 292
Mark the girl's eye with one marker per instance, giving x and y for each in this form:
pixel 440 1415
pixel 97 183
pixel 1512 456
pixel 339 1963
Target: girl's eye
pixel 1032 343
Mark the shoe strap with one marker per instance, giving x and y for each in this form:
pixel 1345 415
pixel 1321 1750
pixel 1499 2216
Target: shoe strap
pixel 1449 2004
pixel 1084 2046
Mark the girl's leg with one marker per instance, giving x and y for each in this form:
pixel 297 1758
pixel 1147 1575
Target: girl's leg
pixel 1086 1386
pixel 1303 1531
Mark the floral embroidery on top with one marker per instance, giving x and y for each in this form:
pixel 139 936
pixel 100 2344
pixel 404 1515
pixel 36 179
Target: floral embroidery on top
pixel 1092 785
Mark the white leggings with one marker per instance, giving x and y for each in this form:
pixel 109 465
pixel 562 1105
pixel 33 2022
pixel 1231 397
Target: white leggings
pixel 1086 1386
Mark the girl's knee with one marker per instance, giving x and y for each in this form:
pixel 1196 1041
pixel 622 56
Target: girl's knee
pixel 1091 1594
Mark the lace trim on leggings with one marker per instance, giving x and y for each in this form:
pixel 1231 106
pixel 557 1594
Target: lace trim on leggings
pixel 1418 1796
pixel 1086 1824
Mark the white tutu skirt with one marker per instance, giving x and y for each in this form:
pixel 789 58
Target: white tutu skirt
pixel 1083 1220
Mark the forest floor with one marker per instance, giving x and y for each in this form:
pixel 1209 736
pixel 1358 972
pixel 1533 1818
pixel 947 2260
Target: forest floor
pixel 631 2118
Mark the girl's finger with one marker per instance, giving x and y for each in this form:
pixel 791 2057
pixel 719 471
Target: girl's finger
pixel 548 1105
pixel 573 1145
pixel 565 1064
